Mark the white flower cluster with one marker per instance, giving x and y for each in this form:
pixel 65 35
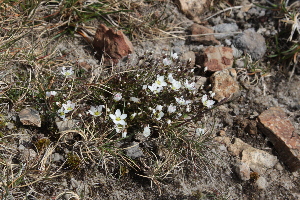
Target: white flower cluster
pixel 175 85
pixel 66 108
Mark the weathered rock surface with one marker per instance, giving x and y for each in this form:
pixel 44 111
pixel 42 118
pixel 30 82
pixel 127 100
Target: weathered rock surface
pixel 261 183
pixel 193 8
pixel 111 44
pixel 275 124
pixel 30 116
pixel 225 28
pixel 65 125
pixel 243 171
pixel 189 56
pixel 134 151
pixel 197 29
pixel 224 84
pixel 252 43
pixel 258 160
pixel 216 58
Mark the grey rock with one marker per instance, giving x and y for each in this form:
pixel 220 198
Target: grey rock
pixel 252 43
pixel 243 171
pixel 225 28
pixel 30 116
pixel 190 55
pixel 134 151
pixel 261 183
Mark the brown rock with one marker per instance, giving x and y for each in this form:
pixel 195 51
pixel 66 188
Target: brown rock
pixel 111 44
pixel 224 84
pixel 197 29
pixel 193 8
pixel 217 58
pixel 237 147
pixel 275 124
pixel 30 116
pixel 189 56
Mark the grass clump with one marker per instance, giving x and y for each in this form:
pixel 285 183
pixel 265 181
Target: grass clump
pixel 286 42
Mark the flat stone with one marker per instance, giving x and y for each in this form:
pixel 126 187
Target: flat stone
pixel 189 56
pixel 111 44
pixel 275 124
pixel 197 29
pixel 193 8
pixel 237 147
pixel 65 125
pixel 258 160
pixel 30 116
pixel 252 43
pixel 224 84
pixel 217 58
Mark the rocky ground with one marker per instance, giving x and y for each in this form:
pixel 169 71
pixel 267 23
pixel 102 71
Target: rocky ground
pixel 255 151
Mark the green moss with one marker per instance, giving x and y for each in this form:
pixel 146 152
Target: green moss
pixel 73 161
pixel 42 144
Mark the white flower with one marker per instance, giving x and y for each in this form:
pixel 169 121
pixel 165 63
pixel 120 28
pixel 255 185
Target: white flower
pixel 51 93
pixel 170 77
pixel 171 108
pixel 169 122
pixel 124 134
pixel 120 128
pixel 67 71
pixel 182 101
pixel 188 108
pixel 159 107
pixel 176 85
pixel 158 112
pixel 144 87
pixel 117 96
pixel 174 56
pixel 155 88
pixel 212 94
pixel 118 117
pixel 134 99
pixel 61 113
pixel 159 115
pixel 200 131
pixel 189 86
pixel 69 106
pixel 206 102
pixel 96 111
pixel 160 81
pixel 146 131
pixel 132 116
pixel 166 61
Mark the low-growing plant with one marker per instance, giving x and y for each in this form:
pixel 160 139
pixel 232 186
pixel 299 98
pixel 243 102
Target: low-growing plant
pixel 286 42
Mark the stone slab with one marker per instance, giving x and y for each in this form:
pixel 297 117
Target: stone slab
pixel 275 124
